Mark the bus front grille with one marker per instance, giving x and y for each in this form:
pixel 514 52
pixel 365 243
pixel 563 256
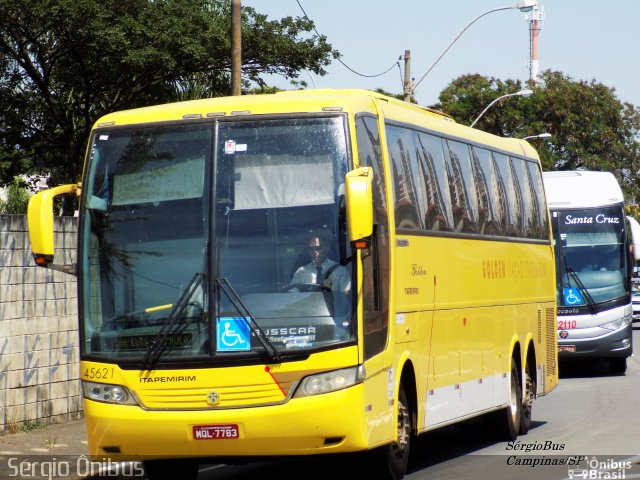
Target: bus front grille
pixel 210 398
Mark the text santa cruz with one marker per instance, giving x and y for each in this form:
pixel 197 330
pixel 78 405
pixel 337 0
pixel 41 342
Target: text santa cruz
pixel 600 218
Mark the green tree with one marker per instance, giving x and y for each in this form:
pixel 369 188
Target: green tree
pixel 590 128
pixel 17 198
pixel 64 63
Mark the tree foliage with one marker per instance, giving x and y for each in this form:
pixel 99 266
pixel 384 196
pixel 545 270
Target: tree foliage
pixel 590 128
pixel 17 197
pixel 64 63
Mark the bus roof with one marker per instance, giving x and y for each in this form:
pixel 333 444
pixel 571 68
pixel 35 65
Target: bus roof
pixel 581 189
pixel 313 101
pixel 294 101
pixel 303 101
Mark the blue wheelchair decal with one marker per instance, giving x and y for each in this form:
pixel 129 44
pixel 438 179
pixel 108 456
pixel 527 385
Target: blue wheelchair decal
pixel 233 335
pixel 572 296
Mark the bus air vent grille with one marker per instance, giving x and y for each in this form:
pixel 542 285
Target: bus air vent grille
pixel 199 398
pixel 552 349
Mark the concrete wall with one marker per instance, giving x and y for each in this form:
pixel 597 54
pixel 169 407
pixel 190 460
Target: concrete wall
pixel 39 361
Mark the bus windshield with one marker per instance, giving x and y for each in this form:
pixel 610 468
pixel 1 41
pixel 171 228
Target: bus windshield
pixel 592 261
pixel 198 241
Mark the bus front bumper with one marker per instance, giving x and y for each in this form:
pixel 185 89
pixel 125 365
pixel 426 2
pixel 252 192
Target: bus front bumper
pixel 618 343
pixel 319 424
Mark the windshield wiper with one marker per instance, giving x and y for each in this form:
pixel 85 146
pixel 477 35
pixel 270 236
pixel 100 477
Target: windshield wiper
pixel 131 319
pixel 248 317
pixel 582 288
pixel 158 344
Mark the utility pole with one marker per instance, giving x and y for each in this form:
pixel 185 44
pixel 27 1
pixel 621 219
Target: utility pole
pixel 407 76
pixel 236 47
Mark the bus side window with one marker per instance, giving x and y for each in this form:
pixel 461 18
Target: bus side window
pixel 400 142
pixel 523 196
pixel 437 214
pixel 462 187
pixel 506 200
pixel 517 220
pixel 376 265
pixel 420 179
pixel 486 185
pixel 535 177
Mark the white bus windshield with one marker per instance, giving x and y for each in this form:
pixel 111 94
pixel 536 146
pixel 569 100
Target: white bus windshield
pixel 592 260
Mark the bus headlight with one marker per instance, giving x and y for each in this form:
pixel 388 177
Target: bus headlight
pixel 616 324
pixel 330 381
pixel 103 392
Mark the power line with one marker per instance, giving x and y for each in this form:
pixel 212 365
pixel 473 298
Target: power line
pixel 397 62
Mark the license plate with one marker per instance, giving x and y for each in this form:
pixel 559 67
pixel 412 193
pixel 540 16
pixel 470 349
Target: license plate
pixel 567 348
pixel 216 432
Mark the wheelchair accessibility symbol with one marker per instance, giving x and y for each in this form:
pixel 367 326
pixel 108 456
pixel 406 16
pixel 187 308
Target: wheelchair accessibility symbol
pixel 233 335
pixel 572 296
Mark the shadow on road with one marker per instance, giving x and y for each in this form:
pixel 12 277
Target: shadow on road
pixel 586 369
pixel 430 451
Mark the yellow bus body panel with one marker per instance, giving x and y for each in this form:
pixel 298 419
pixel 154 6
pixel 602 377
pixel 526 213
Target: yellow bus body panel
pixel 257 400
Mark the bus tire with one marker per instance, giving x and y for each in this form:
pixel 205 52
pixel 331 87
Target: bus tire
pixel 509 418
pixel 171 468
pixel 394 458
pixel 527 400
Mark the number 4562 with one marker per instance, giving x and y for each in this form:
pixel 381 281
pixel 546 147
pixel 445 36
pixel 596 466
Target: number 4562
pixel 98 373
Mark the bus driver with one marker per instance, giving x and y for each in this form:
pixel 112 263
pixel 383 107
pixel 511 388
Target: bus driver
pixel 327 274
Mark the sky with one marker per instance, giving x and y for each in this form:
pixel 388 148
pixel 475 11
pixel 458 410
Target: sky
pixel 584 39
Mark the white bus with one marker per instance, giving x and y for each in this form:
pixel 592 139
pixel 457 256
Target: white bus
pixel 635 247
pixel 593 266
pixel 634 227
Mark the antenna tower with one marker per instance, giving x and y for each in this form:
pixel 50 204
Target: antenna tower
pixel 535 25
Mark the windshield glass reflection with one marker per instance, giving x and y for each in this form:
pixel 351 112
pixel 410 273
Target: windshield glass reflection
pixel 279 196
pixel 157 241
pixel 593 261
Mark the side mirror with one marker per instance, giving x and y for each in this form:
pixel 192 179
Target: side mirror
pixel 359 198
pixel 40 222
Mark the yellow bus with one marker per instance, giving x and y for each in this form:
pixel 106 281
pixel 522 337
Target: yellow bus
pixel 301 273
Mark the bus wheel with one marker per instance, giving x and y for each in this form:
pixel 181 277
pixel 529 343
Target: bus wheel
pixel 395 456
pixel 618 364
pixel 527 401
pixel 171 468
pixel 508 419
